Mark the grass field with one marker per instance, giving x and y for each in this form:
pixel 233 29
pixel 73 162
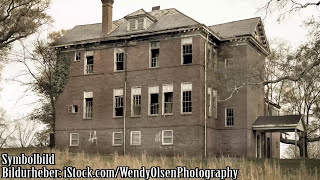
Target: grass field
pixel 248 168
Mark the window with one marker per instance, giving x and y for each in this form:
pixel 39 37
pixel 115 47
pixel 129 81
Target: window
pixel 74 139
pixel 72 109
pixel 132 24
pixel 89 62
pixel 167 137
pixel 229 117
pixel 186 98
pixel 154 100
pixel 88 105
pixel 187 51
pixel 77 56
pixel 136 101
pixel 118 102
pixel 227 63
pixel 167 99
pixel 140 24
pixel 135 139
pixel 155 53
pixel 215 103
pixel 209 102
pixel 119 59
pixel 117 139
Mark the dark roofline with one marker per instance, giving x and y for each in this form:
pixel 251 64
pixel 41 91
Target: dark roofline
pixel 236 21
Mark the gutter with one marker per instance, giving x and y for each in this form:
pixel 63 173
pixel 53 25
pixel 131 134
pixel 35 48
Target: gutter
pixel 205 96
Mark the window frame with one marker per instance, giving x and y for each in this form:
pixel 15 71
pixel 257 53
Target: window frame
pixel 226 112
pixel 72 145
pixel 117 93
pixel 156 88
pixel 138 88
pixel 87 95
pixel 181 100
pixel 113 138
pixel 75 56
pixel 119 51
pixel 157 46
pixel 131 134
pixel 88 54
pixel 72 109
pixel 170 87
pixel 185 42
pixel 215 104
pixel 163 137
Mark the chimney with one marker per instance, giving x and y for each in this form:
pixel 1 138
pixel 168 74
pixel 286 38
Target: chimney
pixel 106 16
pixel 155 8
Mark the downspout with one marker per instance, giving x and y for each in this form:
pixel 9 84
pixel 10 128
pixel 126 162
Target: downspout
pixel 125 97
pixel 205 97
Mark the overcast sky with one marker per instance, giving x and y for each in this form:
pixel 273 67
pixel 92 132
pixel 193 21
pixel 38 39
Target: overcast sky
pixel 69 13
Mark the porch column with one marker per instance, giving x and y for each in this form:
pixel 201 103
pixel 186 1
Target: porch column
pixel 295 142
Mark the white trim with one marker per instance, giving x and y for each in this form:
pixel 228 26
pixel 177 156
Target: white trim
pixel 113 144
pixel 135 91
pixel 137 133
pixel 185 86
pixel 74 139
pixel 117 92
pixel 75 56
pixel 215 105
pixel 152 90
pixel 185 41
pixel 163 143
pixel 115 51
pixel 86 94
pixel 225 117
pixel 166 88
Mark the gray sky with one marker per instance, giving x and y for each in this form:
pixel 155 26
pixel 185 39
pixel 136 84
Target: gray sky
pixel 69 13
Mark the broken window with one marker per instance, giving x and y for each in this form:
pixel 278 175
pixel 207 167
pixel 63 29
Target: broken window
pixel 167 137
pixel 74 139
pixel 229 117
pixel 154 100
pixel 118 102
pixel 72 109
pixel 167 99
pixel 89 62
pixel 88 108
pixel 120 61
pixel 117 139
pixel 135 138
pixel 186 102
pixel 136 101
pixel 155 53
pixel 77 56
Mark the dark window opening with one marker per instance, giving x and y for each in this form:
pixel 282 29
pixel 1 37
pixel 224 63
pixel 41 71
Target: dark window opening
pixel 120 61
pixel 155 57
pixel 168 102
pixel 187 54
pixel 78 56
pixel 89 64
pixel 118 106
pixel 136 105
pixel 154 103
pixel 187 101
pixel 229 117
pixel 88 108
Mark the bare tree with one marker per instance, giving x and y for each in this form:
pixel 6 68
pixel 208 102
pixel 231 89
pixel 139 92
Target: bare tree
pixel 19 19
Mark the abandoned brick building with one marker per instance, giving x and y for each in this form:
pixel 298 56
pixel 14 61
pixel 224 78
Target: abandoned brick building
pixel 145 83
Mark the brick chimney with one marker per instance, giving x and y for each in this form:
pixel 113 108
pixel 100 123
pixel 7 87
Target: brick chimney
pixel 106 16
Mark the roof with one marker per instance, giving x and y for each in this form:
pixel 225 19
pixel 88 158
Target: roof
pixel 165 20
pixel 236 28
pixel 289 122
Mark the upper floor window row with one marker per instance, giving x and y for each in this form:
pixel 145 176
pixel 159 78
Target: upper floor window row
pixel 120 56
